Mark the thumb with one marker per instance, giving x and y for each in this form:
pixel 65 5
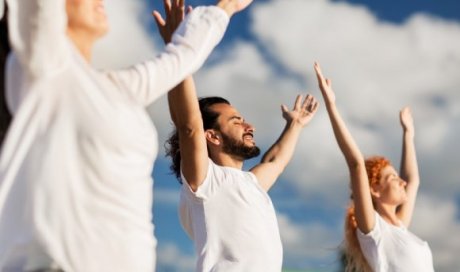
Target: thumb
pixel 284 108
pixel 158 19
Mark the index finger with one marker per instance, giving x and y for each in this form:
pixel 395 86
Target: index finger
pixel 319 74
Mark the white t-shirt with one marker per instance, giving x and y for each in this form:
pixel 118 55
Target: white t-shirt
pixel 389 248
pixel 232 222
pixel 75 169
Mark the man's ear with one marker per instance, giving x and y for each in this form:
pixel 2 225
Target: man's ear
pixel 213 137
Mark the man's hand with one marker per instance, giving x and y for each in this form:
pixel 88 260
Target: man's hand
pixel 302 113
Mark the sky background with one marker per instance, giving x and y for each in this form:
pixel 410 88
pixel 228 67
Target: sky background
pixel 381 56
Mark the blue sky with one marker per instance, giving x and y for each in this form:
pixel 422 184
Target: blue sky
pixel 381 55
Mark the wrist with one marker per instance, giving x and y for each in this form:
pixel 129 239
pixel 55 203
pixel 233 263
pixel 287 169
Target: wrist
pixel 228 6
pixel 294 125
pixel 409 134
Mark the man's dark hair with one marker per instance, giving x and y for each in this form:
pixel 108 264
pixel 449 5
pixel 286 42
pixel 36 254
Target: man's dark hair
pixel 209 122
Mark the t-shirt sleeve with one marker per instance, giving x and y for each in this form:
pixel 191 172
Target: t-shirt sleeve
pixel 191 44
pixel 215 177
pixel 372 239
pixel 37 30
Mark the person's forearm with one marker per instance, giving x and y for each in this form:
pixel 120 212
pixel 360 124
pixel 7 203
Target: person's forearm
pixel 344 139
pixel 409 166
pixel 191 44
pixel 282 150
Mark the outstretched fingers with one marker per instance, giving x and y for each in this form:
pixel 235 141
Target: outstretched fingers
pixel 310 104
pixel 313 106
pixel 167 7
pixel 174 14
pixel 284 109
pixel 298 103
pixel 324 82
pixel 158 19
pixel 178 11
pixel 308 100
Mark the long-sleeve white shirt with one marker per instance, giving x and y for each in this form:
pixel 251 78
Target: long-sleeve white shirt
pixel 75 169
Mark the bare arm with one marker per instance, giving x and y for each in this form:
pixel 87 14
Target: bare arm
pixel 278 156
pixel 409 167
pixel 185 112
pixel 184 108
pixel 359 181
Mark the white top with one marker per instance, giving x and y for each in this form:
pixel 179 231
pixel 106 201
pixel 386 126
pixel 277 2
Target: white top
pixel 75 169
pixel 232 222
pixel 389 248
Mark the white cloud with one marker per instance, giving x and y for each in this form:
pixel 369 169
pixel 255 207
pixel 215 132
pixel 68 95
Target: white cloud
pixel 377 67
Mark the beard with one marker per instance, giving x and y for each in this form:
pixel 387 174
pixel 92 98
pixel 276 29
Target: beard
pixel 238 148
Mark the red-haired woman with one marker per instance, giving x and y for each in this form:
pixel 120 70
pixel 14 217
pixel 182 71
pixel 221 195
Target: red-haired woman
pixel 382 203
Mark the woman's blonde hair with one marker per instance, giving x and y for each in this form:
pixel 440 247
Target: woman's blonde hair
pixel 355 261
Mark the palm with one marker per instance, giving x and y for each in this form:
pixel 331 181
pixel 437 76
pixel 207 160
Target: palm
pixel 303 112
pixel 406 119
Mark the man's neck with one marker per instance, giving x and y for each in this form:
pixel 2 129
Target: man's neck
pixel 227 160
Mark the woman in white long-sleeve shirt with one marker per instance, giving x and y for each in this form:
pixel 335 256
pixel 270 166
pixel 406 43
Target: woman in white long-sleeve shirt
pixel 376 234
pixel 75 168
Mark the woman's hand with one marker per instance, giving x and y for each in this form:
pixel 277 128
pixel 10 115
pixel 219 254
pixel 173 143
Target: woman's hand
pixel 233 6
pixel 325 86
pixel 175 13
pixel 407 122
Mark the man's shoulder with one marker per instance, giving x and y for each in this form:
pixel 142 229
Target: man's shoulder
pixel 230 173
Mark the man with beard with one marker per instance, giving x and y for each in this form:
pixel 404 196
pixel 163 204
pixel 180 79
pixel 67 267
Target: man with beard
pixel 226 211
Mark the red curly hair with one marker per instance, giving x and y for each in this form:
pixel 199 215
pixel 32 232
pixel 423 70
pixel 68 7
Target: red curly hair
pixel 354 256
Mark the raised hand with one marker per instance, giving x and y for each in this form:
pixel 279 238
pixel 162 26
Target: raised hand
pixel 175 13
pixel 303 112
pixel 325 85
pixel 233 6
pixel 407 122
pixel 242 4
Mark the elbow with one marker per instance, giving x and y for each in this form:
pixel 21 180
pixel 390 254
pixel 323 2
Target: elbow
pixel 188 125
pixel 190 129
pixel 267 159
